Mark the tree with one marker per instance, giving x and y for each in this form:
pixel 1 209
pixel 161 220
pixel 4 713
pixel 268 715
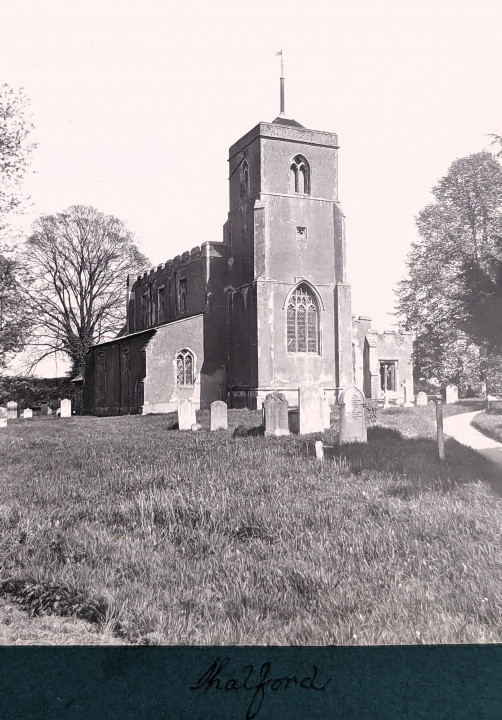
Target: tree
pixel 15 152
pixel 14 319
pixel 452 299
pixel 15 147
pixel 78 261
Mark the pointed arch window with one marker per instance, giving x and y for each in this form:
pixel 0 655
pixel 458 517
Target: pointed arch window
pixel 101 376
pixel 300 175
pixel 303 321
pixel 244 181
pixel 184 368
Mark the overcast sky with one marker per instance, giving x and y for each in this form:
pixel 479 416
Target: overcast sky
pixel 136 104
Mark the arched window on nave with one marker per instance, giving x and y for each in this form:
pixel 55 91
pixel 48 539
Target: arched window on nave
pixel 184 368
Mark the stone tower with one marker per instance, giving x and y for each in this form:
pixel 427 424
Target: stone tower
pixel 289 311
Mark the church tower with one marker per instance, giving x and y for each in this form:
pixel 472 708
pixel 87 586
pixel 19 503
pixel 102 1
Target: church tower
pixel 289 311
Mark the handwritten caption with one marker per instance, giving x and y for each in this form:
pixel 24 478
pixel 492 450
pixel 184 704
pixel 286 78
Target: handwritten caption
pixel 257 681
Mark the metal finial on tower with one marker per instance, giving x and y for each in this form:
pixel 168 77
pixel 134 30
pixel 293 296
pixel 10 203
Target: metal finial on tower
pixel 281 53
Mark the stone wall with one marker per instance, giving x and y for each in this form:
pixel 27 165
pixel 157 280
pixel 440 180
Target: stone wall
pixel 391 347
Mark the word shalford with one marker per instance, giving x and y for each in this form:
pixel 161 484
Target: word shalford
pixel 256 685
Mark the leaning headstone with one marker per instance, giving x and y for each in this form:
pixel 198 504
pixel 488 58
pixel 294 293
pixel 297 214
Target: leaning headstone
pixel 408 393
pixel 276 414
pixel 218 416
pixel 3 417
pixel 451 394
pixel 319 450
pixel 422 398
pixel 352 416
pixel 65 408
pixel 186 415
pixel 49 410
pixel 12 410
pixel 27 413
pixel 44 409
pixel 311 409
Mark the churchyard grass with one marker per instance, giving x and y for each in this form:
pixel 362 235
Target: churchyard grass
pixel 161 536
pixel 490 424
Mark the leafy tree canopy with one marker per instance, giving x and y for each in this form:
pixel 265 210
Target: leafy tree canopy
pixel 15 146
pixel 452 299
pixel 15 153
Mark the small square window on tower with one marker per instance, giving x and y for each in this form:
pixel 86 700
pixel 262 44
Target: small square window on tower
pixel 301 233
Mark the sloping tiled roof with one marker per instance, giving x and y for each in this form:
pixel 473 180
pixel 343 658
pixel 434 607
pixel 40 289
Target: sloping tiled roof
pixel 287 121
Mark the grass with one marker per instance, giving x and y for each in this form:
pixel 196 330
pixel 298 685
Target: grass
pixel 48 629
pixel 167 537
pixel 490 424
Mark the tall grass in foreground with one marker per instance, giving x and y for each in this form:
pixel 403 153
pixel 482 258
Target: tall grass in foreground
pixel 170 537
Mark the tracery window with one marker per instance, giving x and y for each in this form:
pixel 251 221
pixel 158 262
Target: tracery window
pixel 303 321
pixel 184 368
pixel 300 175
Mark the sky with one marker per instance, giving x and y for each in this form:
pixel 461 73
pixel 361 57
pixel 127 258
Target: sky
pixel 135 105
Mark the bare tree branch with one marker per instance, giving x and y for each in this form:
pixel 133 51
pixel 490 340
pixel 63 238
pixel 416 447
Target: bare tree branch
pixel 78 262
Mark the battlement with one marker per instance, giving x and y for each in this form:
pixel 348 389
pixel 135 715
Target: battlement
pixel 207 249
pixel 281 131
pixel 390 337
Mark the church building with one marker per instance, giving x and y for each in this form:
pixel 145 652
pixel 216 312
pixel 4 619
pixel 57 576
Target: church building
pixel 267 309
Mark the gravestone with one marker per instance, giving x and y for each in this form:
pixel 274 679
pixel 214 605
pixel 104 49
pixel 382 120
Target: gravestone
pixel 311 409
pixel 276 414
pixel 408 393
pixel 451 394
pixel 494 403
pixel 65 408
pixel 186 415
pixel 3 417
pixel 27 413
pixel 12 410
pixel 44 409
pixel 422 398
pixel 319 450
pixel 352 416
pixel 294 420
pixel 483 389
pixel 218 416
